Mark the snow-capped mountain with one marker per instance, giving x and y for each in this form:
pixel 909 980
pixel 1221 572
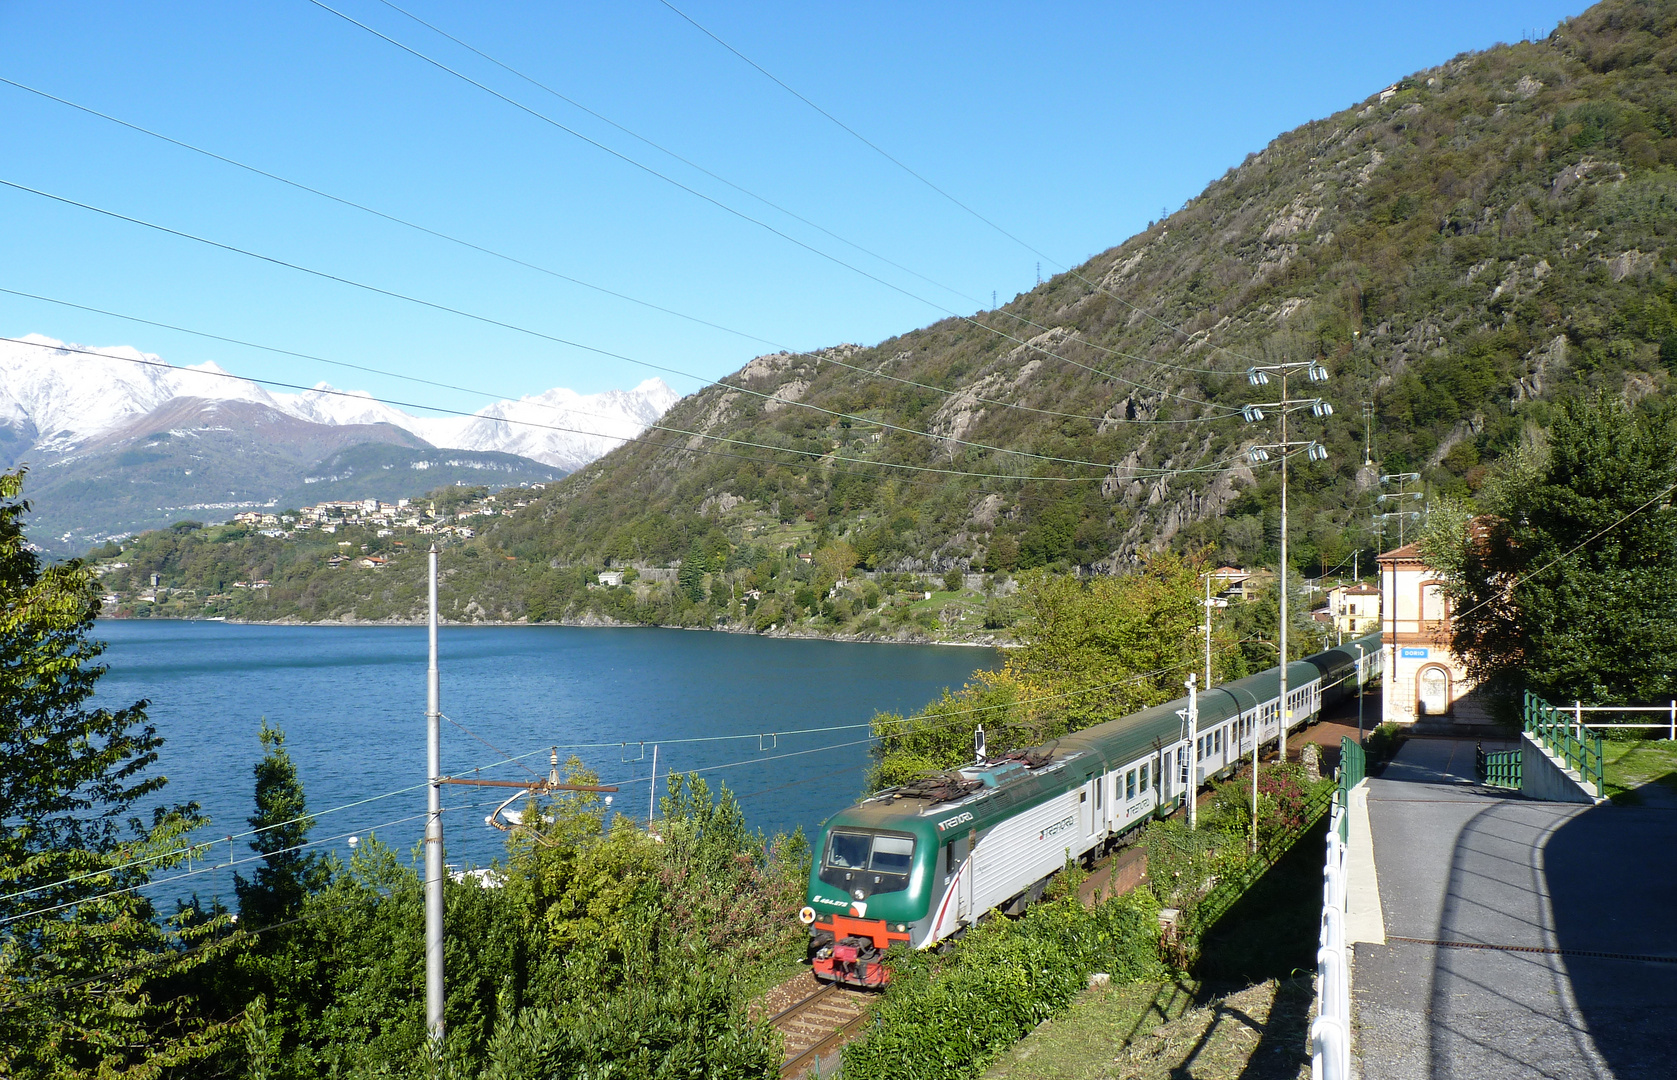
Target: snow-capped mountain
pixel 55 399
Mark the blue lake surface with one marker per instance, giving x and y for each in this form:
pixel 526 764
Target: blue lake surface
pixel 351 701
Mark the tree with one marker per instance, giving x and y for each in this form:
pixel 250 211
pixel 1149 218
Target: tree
pixel 1096 649
pixel 691 576
pixel 85 964
pixel 1565 581
pixel 836 560
pixel 288 874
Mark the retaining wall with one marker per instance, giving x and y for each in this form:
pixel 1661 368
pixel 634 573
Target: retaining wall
pixel 1543 775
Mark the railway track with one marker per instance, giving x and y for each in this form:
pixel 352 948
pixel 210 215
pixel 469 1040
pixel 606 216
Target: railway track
pixel 820 1021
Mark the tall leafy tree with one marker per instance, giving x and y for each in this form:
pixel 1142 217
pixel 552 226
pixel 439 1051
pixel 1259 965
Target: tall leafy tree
pixel 87 971
pixel 1565 582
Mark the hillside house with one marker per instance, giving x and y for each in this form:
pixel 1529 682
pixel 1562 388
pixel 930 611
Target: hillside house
pixel 1355 609
pixel 1423 677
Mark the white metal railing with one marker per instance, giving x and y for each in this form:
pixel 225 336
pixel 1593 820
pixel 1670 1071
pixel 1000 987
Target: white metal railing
pixel 1330 1033
pixel 1578 710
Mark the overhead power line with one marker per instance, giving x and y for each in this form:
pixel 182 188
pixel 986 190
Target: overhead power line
pixel 544 87
pixel 882 152
pixel 542 335
pixel 559 275
pixel 215 867
pixel 740 214
pixel 819 455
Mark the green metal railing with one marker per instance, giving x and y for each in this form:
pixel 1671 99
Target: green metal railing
pixel 1567 739
pixel 1353 766
pixel 1499 768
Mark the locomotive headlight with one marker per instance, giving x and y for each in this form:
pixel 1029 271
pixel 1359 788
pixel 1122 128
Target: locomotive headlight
pixel 901 928
pixel 859 894
pixel 806 915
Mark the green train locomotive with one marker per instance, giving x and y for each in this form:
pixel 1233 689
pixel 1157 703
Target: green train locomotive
pixel 920 862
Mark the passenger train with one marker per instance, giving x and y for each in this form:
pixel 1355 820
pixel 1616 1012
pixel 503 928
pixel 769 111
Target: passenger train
pixel 920 862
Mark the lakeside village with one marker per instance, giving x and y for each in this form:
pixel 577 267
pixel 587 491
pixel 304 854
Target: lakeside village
pixel 785 579
pixel 385 521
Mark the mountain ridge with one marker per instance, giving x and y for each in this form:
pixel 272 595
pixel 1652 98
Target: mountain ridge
pixel 121 441
pixel 67 394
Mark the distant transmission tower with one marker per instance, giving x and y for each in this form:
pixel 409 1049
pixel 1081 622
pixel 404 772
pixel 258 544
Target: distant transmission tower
pixel 1039 272
pixel 992 299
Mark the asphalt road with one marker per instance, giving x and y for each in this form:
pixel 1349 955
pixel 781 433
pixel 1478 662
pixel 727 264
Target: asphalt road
pixel 1472 866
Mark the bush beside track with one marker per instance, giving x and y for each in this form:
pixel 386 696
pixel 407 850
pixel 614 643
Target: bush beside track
pixel 947 1017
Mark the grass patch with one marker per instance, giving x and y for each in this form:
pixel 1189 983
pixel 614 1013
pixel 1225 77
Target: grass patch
pixel 1630 764
pixel 1095 1030
pixel 1166 1031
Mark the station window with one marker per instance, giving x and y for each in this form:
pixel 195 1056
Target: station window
pixel 1129 785
pixel 1144 779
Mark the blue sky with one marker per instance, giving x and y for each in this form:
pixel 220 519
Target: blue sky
pixel 1070 125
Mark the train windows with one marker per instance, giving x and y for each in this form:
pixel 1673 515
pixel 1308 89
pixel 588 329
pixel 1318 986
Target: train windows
pixel 863 863
pixel 1129 784
pixel 891 854
pixel 1100 783
pixel 1144 780
pixel 849 851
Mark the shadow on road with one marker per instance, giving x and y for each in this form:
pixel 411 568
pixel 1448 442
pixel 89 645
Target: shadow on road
pixel 1611 880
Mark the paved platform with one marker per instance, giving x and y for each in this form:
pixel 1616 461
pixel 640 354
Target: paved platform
pixel 1522 939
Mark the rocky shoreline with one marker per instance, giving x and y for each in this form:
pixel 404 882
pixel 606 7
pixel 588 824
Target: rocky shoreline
pixel 902 637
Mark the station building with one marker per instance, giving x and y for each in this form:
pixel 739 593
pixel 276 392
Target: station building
pixel 1423 677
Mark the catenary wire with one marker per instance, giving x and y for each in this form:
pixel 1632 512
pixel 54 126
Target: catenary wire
pixel 807 453
pixel 544 336
pixel 934 187
pixel 650 305
pixel 429 382
pixel 736 212
pixel 824 456
pixel 759 198
pixel 216 867
pixel 205 844
pixel 1507 591
pixel 489 744
pixel 601 289
pixel 307 816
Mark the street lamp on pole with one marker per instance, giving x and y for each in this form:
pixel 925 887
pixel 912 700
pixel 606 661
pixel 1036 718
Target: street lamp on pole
pixel 1259 375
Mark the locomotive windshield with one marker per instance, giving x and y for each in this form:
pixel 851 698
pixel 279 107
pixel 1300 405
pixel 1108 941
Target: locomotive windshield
pixel 864 863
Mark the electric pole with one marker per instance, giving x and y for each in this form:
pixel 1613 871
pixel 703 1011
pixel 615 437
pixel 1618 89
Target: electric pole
pixel 1400 496
pixel 1258 375
pixel 433 836
pixel 1193 741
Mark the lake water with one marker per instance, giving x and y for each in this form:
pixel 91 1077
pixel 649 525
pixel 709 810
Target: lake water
pixel 351 701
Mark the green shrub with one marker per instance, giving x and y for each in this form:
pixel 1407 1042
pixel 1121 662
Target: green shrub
pixel 948 1017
